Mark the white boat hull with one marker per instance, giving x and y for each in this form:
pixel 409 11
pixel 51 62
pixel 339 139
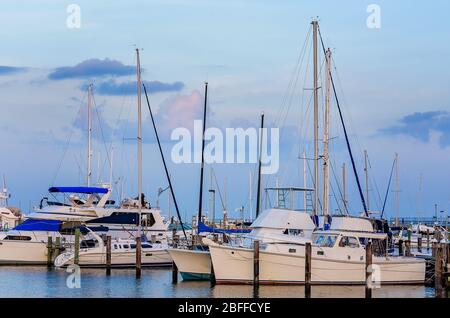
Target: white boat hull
pixel 22 253
pixel 90 258
pixel 192 265
pixel 235 265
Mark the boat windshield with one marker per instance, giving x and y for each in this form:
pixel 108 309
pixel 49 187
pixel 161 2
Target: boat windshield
pixel 325 240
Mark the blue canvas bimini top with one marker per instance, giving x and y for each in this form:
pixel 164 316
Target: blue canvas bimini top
pixel 87 190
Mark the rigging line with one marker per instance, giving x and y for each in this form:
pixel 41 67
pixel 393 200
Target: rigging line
pixel 337 183
pixel 348 114
pixel 218 189
pixel 294 72
pixel 336 199
pixel 313 182
pixel 164 163
pixel 374 184
pixel 363 201
pixel 290 91
pixel 389 185
pixel 66 146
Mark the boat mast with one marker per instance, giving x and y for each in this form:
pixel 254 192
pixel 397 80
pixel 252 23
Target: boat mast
pixel 200 199
pixel 212 198
pixel 344 191
pixel 304 182
pixel 316 120
pixel 139 140
pixel 258 191
pixel 250 194
pixel 89 156
pixel 366 170
pixel 326 137
pixel 396 189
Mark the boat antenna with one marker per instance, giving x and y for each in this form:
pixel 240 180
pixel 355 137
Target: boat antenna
pixel 258 191
pixel 200 196
pixel 355 172
pixel 165 166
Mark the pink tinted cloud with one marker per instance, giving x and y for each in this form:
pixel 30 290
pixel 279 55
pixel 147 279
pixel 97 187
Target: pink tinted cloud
pixel 179 111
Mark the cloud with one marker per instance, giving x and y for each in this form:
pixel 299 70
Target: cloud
pixel 111 87
pixel 179 111
pixel 6 70
pixel 419 126
pixel 92 68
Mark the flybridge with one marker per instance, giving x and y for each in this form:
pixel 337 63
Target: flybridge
pixel 86 190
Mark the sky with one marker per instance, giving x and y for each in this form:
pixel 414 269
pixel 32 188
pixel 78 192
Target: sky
pixel 392 83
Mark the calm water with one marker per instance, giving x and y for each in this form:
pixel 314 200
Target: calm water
pixel 41 282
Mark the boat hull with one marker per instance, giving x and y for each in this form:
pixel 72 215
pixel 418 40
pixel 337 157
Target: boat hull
pixel 122 259
pixel 235 266
pixel 192 264
pixel 23 253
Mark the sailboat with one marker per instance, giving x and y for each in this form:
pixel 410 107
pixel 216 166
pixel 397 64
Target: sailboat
pixel 338 250
pixel 125 253
pixel 78 207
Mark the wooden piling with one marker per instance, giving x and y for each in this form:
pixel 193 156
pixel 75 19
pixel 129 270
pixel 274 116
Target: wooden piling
pixel 138 257
pixel 438 271
pixel 108 255
pixel 400 247
pixel 408 248
pixel 57 247
pixel 256 263
pixel 428 240
pixel 174 273
pixel 419 244
pixel 49 251
pixel 308 261
pixel 446 247
pixel 76 258
pixel 174 239
pixel 368 270
pixel 434 247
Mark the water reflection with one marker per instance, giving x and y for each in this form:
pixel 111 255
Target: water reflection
pixel 41 282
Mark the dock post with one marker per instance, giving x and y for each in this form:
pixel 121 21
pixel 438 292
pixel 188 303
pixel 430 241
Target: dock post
pixel 308 255
pixel 174 233
pixel 138 257
pixel 419 244
pixel 49 251
pixel 400 247
pixel 438 272
pixel 108 255
pixel 369 270
pixel 408 248
pixel 434 247
pixel 76 258
pixel 428 240
pixel 174 273
pixel 256 264
pixel 57 247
